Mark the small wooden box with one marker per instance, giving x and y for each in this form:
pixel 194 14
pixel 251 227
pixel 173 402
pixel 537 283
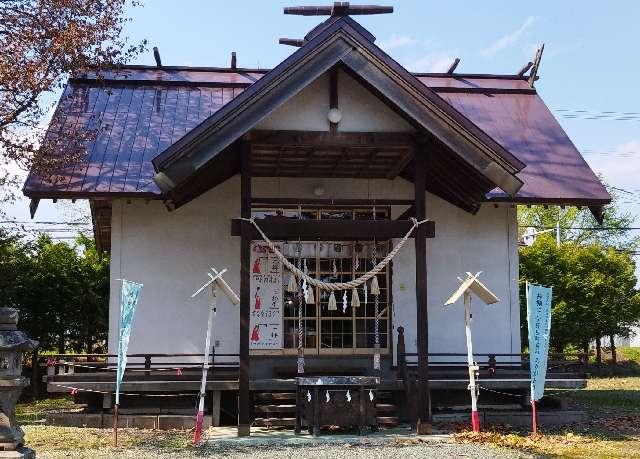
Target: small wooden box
pixel 313 411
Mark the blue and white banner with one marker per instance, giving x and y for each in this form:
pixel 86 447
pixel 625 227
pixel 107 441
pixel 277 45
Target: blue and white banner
pixel 539 320
pixel 128 303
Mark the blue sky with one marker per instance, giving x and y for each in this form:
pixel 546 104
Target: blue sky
pixel 590 62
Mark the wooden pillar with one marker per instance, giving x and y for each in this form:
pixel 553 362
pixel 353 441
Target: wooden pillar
pixel 245 248
pixel 423 425
pixel 215 408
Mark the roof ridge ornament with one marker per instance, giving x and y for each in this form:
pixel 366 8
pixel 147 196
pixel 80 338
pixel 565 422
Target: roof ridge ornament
pixel 338 9
pixel 533 76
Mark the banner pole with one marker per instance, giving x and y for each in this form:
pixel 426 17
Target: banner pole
pixel 129 295
pixel 115 425
pixel 197 434
pixel 475 419
pixel 534 417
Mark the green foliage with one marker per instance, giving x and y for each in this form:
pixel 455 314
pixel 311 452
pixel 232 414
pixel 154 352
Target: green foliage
pixel 60 290
pixel 614 223
pixel 594 289
pixel 631 353
pixel 592 272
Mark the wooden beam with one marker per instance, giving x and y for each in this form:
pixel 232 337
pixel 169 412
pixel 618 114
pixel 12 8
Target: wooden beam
pixel 282 228
pixel 338 9
pixel 156 56
pixel 244 399
pixel 410 212
pixel 423 425
pixel 453 66
pixel 524 69
pixel 399 166
pixel 536 65
pixel 330 202
pixel 297 42
pixel 287 138
pixel 33 206
pixel 333 97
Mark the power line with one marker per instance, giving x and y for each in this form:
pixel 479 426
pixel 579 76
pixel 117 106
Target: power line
pixel 609 115
pixel 45 223
pixel 590 228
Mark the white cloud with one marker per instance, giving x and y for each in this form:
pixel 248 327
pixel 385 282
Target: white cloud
pixel 397 41
pixel 510 38
pixel 621 167
pixel 433 62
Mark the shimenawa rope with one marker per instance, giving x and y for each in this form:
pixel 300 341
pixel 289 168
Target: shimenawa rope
pixel 332 287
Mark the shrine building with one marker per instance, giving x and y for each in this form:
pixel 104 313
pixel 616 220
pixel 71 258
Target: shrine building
pixel 335 155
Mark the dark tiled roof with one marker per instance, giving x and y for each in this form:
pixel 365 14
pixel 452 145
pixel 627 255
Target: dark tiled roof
pixel 143 110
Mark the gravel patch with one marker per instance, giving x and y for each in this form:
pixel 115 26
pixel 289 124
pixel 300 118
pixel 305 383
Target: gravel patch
pixel 333 451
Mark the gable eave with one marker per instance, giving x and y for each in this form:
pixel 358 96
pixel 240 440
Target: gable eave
pixel 339 43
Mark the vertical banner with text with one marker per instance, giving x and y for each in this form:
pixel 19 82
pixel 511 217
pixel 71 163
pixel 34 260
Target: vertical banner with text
pixel 539 321
pixel 265 325
pixel 128 303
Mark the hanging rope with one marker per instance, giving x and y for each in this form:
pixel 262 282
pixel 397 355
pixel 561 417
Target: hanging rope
pixel 332 287
pixel 301 303
pixel 377 316
pixel 374 261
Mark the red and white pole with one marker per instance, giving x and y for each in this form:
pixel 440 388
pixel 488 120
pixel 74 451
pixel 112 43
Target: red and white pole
pixel 473 368
pixel 534 417
pixel 197 434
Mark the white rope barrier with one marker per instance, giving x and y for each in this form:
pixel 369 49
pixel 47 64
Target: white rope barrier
pixel 329 286
pixel 74 390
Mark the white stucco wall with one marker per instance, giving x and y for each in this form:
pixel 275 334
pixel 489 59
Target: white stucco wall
pixel 170 252
pixel 361 110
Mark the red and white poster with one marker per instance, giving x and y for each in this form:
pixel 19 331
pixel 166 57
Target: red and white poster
pixel 265 325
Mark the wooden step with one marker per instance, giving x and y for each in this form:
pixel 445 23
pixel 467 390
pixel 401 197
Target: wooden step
pixel 275 408
pixel 385 408
pixel 387 421
pixel 279 396
pixel 269 422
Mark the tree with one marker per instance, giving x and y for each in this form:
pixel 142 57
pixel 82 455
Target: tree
pixel 614 223
pixel 43 42
pixel 592 271
pixel 60 290
pixel 594 289
pixel 611 283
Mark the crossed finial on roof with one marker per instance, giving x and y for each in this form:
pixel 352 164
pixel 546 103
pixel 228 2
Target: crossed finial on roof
pixel 337 9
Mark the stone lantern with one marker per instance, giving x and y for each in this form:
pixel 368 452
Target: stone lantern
pixel 13 343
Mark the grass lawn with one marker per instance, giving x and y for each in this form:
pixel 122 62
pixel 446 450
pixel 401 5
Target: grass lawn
pixel 52 439
pixel 621 393
pixel 34 411
pixel 613 430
